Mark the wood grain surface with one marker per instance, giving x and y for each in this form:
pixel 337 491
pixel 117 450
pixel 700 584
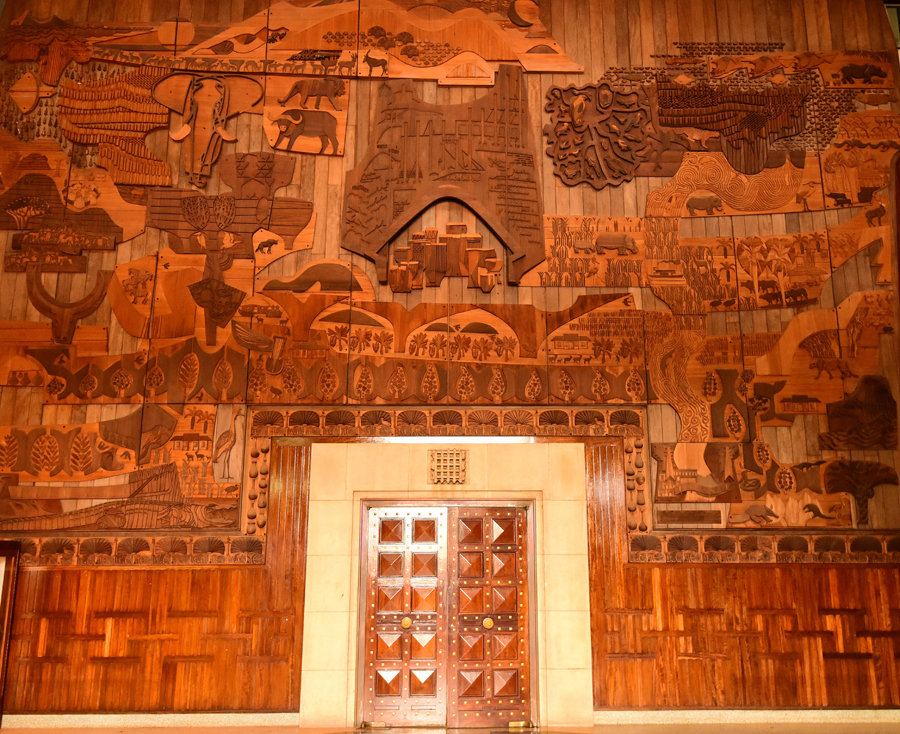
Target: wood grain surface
pixel 664 223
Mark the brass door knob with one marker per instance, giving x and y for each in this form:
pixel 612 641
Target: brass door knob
pixel 406 623
pixel 488 624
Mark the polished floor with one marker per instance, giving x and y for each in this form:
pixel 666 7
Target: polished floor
pixel 683 728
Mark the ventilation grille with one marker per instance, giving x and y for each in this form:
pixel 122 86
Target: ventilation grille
pixel 447 466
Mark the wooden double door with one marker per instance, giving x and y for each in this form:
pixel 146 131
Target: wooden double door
pixel 446 618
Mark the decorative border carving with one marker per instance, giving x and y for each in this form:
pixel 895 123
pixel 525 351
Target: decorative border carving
pixel 626 422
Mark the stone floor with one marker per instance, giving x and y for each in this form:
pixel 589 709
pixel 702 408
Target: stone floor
pixel 683 728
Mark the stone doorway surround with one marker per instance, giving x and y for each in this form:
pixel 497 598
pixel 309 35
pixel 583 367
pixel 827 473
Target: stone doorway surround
pixel 344 475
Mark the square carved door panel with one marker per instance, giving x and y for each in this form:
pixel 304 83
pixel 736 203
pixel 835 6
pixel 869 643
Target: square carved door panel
pixel 446 617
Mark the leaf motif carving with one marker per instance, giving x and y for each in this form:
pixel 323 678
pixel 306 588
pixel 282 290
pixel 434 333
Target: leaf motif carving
pixel 430 383
pixel 397 383
pixel 224 211
pixel 45 453
pixel 9 452
pixel 81 456
pixel 328 381
pixel 188 373
pixel 223 376
pixel 365 382
pixel 154 380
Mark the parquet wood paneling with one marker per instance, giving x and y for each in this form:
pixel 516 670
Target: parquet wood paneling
pixel 692 636
pixel 186 639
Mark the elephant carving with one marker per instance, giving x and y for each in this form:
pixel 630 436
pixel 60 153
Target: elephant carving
pixel 206 103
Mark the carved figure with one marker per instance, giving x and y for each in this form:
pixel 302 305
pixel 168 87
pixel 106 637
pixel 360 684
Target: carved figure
pixel 307 123
pixel 877 213
pixel 760 514
pixel 207 103
pixel 328 87
pixel 796 294
pixel 376 64
pixel 623 244
pixel 840 199
pixel 867 73
pixel 225 443
pixel 349 65
pixel 830 365
pixel 64 315
pixel 265 247
pixel 709 204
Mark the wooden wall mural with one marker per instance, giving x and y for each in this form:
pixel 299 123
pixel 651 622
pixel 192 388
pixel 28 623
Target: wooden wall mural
pixel 672 228
pixel 216 233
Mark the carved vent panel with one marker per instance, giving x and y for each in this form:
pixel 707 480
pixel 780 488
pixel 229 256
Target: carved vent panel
pixel 448 466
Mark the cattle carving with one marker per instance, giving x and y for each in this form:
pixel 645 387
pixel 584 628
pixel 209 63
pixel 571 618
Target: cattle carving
pixel 206 104
pixel 294 123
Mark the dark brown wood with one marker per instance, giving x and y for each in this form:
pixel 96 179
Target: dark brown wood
pixel 125 640
pixel 489 616
pixel 459 144
pixel 730 636
pixel 9 552
pixel 447 616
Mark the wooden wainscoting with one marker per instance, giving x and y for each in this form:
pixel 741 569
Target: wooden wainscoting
pixel 694 636
pixel 185 639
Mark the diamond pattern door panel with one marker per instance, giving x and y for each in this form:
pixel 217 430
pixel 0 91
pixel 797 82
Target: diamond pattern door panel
pixel 446 614
pixel 405 682
pixel 488 605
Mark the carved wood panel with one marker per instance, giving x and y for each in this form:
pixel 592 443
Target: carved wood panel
pixel 731 636
pixel 131 641
pixel 700 261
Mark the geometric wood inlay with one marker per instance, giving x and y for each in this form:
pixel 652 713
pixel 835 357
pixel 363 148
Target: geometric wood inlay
pixel 506 682
pixel 387 682
pixel 390 564
pixel 471 565
pixel 423 646
pixel 424 531
pixel 471 683
pixel 503 565
pixel 391 530
pixel 470 531
pixel 506 646
pixel 503 599
pixel 424 599
pixel 472 647
pixel 422 682
pixel 503 530
pixel 389 646
pixel 424 564
pixel 471 601
pixel 390 598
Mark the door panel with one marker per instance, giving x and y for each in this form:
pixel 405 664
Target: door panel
pixel 488 599
pixel 446 628
pixel 406 628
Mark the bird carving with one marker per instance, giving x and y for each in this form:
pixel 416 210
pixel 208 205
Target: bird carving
pixel 226 441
